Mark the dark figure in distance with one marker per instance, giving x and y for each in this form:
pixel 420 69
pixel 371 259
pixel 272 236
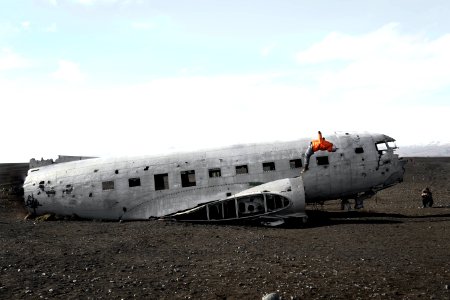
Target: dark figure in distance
pixel 427 197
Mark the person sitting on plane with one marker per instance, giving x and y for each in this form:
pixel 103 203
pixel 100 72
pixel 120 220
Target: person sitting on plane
pixel 316 145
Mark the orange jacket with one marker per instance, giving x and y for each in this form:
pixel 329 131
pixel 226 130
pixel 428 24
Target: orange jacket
pixel 322 144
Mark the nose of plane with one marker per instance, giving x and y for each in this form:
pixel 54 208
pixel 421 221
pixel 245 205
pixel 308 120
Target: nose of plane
pixel 397 175
pixel 402 161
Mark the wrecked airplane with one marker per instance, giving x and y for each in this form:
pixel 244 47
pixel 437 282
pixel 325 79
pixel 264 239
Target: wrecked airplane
pixel 246 182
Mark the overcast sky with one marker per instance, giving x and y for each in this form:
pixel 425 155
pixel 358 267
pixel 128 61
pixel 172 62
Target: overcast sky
pixel 130 77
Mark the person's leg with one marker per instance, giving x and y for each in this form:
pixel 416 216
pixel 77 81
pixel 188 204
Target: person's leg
pixel 308 154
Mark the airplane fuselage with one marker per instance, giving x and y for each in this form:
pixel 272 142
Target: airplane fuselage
pixel 145 187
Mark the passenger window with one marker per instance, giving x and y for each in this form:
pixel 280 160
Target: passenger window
pixel 132 182
pixel 215 173
pixel 188 178
pixel 241 169
pixel 295 163
pixel 268 166
pixel 107 185
pixel 161 182
pixel 322 160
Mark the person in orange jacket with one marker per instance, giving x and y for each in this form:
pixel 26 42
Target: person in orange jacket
pixel 316 145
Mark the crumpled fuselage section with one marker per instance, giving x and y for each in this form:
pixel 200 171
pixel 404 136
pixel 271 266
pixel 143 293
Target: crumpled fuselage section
pixel 285 198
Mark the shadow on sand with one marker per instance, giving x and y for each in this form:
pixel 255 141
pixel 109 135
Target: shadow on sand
pixel 318 218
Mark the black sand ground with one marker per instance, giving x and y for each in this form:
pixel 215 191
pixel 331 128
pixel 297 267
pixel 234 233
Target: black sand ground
pixel 392 249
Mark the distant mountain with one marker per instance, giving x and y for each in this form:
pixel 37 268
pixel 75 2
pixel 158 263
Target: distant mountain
pixel 430 150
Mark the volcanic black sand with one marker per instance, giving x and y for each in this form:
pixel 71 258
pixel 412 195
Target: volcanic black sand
pixel 391 249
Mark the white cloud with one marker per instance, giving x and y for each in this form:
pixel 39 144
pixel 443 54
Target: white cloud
pixel 188 113
pixel 339 46
pixel 386 90
pixel 10 60
pixel 383 66
pixel 68 71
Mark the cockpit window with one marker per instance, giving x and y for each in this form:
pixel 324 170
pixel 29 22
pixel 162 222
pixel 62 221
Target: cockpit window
pixel 381 146
pixel 392 145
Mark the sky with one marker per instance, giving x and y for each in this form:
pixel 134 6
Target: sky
pixel 134 77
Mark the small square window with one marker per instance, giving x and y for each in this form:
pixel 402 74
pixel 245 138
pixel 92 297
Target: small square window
pixel 188 178
pixel 132 182
pixel 359 150
pixel 241 169
pixel 268 166
pixel 322 160
pixel 107 185
pixel 295 163
pixel 161 182
pixel 215 173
